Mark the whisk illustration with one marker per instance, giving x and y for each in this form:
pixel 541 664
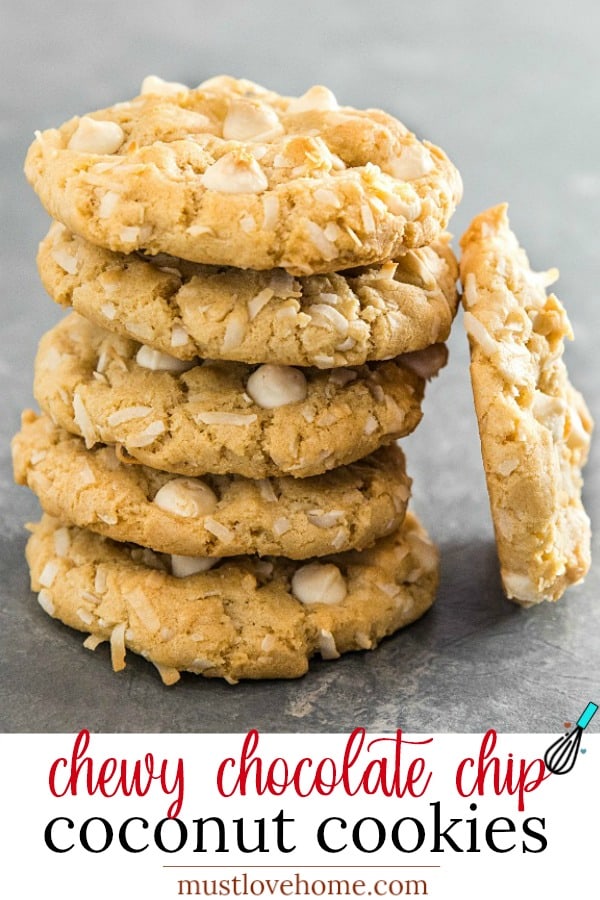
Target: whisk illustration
pixel 561 756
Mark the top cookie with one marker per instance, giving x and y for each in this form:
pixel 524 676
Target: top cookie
pixel 232 174
pixel 534 427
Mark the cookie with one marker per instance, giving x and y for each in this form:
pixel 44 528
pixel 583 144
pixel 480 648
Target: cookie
pixel 186 310
pixel 223 418
pixel 219 515
pixel 534 427
pixel 245 618
pixel 232 174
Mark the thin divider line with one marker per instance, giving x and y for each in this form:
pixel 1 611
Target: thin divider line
pixel 297 866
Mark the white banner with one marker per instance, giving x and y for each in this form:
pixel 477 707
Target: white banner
pixel 264 815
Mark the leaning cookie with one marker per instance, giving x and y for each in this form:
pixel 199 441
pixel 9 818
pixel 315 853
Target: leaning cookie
pixel 246 618
pixel 534 427
pixel 218 515
pixel 188 310
pixel 232 174
pixel 224 418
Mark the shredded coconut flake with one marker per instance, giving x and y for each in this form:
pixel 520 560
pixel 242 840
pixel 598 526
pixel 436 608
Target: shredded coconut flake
pixel 93 640
pixel 248 223
pixel 225 418
pixel 327 647
pixel 331 316
pixel 257 303
pixel 168 674
pixel 140 330
pixel 109 311
pixel 82 420
pixel 218 529
pixel 117 646
pixel 480 335
pixel 85 615
pixel 100 581
pixel 143 609
pixel 339 539
pixel 46 602
pixel 281 526
pixel 235 330
pixel 62 542
pixel 179 336
pixel 266 490
pixel 65 260
pixel 268 643
pixel 49 573
pixel 270 210
pixel 127 414
pixel 108 204
pixel 371 425
pixel 325 519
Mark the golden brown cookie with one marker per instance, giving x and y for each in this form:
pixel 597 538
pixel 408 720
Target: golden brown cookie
pixel 186 310
pixel 245 618
pixel 224 417
pixel 534 427
pixel 232 174
pixel 218 515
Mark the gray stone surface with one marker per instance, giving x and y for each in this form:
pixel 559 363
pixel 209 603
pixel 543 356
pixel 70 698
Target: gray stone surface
pixel 511 91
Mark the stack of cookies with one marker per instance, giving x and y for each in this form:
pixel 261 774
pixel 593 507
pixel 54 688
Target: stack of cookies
pixel 261 287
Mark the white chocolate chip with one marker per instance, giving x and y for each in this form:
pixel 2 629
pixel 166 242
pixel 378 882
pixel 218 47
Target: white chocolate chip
pixel 235 173
pixel 152 84
pixel 414 161
pixel 319 583
pixel 182 566
pixel 316 97
pixel 271 386
pixel 186 497
pixel 520 587
pixel 250 120
pixel 157 361
pixel 93 136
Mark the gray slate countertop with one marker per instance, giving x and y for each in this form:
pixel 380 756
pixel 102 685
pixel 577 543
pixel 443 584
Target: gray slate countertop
pixel 511 91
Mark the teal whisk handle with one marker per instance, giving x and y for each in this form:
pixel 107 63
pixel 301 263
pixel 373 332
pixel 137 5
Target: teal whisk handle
pixel 587 715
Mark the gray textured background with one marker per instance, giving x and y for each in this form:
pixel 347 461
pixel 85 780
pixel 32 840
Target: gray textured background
pixel 511 91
